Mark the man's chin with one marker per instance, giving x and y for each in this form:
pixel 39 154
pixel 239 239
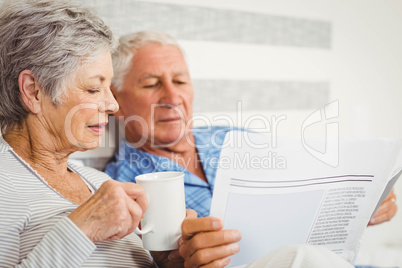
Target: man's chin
pixel 166 143
pixel 168 139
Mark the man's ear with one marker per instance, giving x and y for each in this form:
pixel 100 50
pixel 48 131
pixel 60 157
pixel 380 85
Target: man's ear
pixel 30 91
pixel 115 95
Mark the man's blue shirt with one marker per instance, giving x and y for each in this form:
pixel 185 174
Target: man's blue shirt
pixel 131 162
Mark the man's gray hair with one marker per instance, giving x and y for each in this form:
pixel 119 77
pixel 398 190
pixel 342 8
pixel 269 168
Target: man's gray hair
pixel 128 45
pixel 51 38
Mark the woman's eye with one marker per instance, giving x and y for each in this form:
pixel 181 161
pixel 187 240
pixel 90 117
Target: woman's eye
pixel 93 91
pixel 149 86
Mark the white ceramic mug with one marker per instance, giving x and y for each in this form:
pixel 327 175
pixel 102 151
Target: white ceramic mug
pixel 161 225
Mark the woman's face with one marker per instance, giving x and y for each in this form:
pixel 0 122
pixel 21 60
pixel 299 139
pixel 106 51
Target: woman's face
pixel 79 120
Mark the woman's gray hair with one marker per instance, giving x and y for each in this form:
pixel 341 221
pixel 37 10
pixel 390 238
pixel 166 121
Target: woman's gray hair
pixel 53 39
pixel 128 45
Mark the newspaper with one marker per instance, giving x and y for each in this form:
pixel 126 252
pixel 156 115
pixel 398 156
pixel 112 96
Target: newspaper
pixel 276 193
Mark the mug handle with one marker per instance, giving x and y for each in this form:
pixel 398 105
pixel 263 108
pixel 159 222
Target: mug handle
pixel 147 228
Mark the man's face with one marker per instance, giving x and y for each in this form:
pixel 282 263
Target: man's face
pixel 156 100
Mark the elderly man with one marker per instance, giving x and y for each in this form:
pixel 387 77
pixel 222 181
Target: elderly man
pixel 153 87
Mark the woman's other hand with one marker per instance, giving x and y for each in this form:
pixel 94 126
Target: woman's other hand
pixel 113 212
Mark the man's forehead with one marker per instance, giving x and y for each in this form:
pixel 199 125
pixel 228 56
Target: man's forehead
pixel 146 76
pixel 158 54
pixel 155 60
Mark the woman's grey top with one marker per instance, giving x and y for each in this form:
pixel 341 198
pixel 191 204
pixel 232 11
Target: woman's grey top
pixel 35 230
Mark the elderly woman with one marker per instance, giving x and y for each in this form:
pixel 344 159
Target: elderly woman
pixel 55 73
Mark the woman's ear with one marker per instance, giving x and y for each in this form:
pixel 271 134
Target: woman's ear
pixel 115 95
pixel 30 91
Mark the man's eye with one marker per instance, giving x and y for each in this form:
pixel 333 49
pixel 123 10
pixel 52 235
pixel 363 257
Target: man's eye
pixel 153 85
pixel 180 82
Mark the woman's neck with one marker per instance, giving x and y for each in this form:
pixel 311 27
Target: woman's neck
pixel 38 150
pixel 48 157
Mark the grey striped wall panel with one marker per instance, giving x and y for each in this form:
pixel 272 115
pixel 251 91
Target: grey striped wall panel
pixel 208 24
pixel 223 95
pixel 220 25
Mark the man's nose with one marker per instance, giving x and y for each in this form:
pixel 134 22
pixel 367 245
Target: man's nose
pixel 171 95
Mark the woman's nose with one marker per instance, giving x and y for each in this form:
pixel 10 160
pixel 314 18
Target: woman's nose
pixel 109 105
